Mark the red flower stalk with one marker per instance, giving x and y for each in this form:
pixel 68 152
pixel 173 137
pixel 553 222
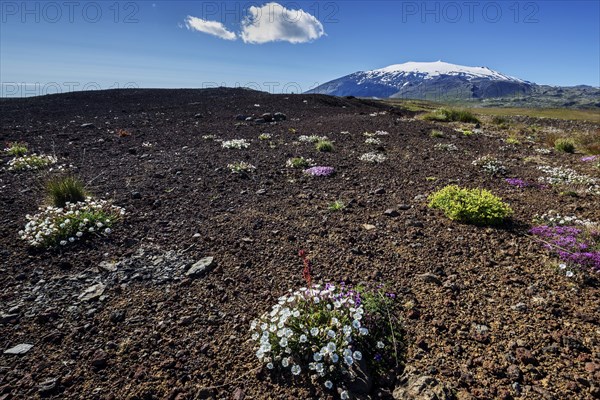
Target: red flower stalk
pixel 306 271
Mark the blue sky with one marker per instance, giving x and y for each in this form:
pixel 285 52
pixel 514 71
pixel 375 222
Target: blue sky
pixel 48 45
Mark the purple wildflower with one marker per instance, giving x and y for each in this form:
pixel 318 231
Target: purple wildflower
pixel 319 171
pixel 520 183
pixel 588 158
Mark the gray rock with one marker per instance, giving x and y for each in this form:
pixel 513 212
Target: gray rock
pixel 241 117
pixel 198 116
pixel 93 292
pixel 404 207
pixel 390 212
pixel 19 349
pixel 278 116
pixel 88 125
pixel 108 266
pixel 420 197
pixel 136 195
pixel 421 387
pixel 268 117
pixel 379 191
pixel 428 277
pixel 519 307
pixel 48 386
pixel 201 267
pixel 362 382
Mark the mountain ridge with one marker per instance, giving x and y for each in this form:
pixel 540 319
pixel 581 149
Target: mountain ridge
pixel 441 81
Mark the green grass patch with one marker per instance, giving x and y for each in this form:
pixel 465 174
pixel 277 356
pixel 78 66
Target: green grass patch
pixel 65 189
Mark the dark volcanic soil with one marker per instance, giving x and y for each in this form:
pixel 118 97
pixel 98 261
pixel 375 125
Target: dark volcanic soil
pixel 495 320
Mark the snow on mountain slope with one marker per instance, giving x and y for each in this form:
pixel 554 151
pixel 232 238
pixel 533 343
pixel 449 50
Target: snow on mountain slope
pixel 433 69
pixel 427 80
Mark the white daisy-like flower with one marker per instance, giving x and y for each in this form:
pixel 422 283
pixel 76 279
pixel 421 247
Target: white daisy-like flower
pixel 328 384
pixel 569 274
pixel 357 355
pixel 63 242
pixel 296 369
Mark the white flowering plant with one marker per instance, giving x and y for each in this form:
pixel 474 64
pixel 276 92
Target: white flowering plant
pixel 331 334
pixel 59 226
pixel 241 167
pixel 235 144
pixel 373 141
pixel 445 147
pixel 311 138
pixel 373 157
pixel 563 176
pixel 31 162
pixel 491 165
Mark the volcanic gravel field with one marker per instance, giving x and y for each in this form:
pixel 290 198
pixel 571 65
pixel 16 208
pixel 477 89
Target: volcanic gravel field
pixel 486 315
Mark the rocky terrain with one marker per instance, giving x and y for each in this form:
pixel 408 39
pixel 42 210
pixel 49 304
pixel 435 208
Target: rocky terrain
pixel 143 314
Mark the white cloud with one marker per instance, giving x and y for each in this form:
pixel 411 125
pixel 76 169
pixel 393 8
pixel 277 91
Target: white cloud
pixel 272 22
pixel 211 27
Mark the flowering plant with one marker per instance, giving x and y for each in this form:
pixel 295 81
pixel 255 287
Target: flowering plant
pixel 235 144
pixel 373 157
pixel 311 138
pixel 576 241
pixel 31 162
pixel 63 225
pixel 373 141
pixel 333 333
pixel 240 167
pixel 569 177
pixel 16 149
pixel 299 162
pixel 490 165
pixel 320 171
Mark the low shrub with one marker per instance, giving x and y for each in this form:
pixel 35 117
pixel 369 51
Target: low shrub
pixel 475 206
pixel 16 149
pixel 337 206
pixel 299 162
pixel 450 115
pixel 565 145
pixel 65 189
pixel 436 134
pixel 324 145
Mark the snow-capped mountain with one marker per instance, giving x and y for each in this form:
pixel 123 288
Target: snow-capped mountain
pixel 427 80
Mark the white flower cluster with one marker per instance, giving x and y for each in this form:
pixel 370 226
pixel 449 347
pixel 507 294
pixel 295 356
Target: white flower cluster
pixel 543 150
pixel 299 162
pixel 54 225
pixel 567 176
pixel 377 133
pixel 490 165
pixel 31 162
pixel 235 144
pixel 311 138
pixel 240 166
pixel 446 146
pixel 373 157
pixel 318 325
pixel 373 140
pixel 553 218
